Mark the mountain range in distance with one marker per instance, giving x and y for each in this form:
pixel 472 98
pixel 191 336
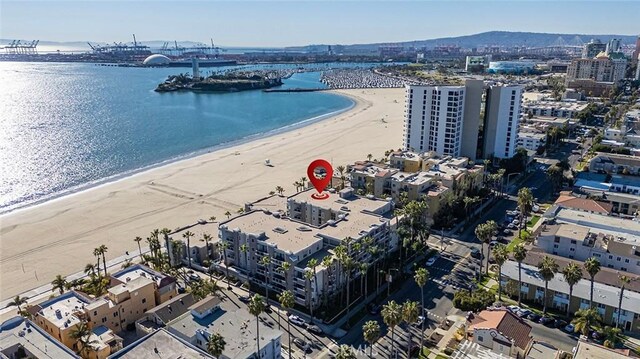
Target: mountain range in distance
pixel 491 38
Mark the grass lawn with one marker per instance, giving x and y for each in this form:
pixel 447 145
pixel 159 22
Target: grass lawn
pixel 532 222
pixel 513 244
pixel 425 353
pixel 441 356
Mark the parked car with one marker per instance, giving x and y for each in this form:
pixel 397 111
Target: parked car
pixel 244 298
pixel 534 317
pixel 507 232
pixel 547 321
pixel 535 208
pixel 315 329
pixel 431 260
pixel 569 328
pixel 515 222
pixel 523 313
pixel 511 226
pixel 493 244
pixel 301 344
pixel 513 308
pixel 475 253
pixel 194 277
pixel 297 321
pixel 559 323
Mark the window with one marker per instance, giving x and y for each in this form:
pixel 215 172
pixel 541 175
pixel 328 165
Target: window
pixel 480 338
pixel 115 314
pixel 144 300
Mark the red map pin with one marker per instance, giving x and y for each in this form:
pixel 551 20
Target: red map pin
pixel 320 183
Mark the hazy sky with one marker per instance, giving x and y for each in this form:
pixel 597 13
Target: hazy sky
pixel 281 23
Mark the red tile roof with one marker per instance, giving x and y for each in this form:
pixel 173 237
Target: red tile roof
pixel 506 323
pixel 584 204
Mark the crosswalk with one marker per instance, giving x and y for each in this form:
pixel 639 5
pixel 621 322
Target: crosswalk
pixel 470 350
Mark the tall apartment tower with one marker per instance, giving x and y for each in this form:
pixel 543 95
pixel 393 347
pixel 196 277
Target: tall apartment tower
pixel 434 119
pixel 636 53
pixel 613 46
pixel 592 49
pixel 502 116
pixel 474 90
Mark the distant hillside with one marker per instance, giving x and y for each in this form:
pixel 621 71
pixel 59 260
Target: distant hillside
pixel 493 38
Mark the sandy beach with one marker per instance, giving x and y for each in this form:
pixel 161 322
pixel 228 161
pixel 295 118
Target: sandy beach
pixel 58 237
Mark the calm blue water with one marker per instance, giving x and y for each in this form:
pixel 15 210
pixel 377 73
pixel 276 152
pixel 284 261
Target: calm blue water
pixel 65 126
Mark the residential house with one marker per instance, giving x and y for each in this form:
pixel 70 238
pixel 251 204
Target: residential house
pixel 501 331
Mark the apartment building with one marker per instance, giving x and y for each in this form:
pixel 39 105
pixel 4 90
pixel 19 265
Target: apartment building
pixel 553 109
pixel 532 141
pixel 165 286
pixel 161 344
pixel 21 338
pixel 501 331
pixel 603 68
pixel 502 116
pixel 593 48
pixel 159 316
pixel 586 349
pixel 614 163
pixel 434 117
pixel 581 235
pixel 236 325
pixel 308 228
pixel 61 315
pixel 606 292
pixel 202 252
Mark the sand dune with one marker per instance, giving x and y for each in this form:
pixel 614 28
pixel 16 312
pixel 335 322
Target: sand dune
pixel 58 237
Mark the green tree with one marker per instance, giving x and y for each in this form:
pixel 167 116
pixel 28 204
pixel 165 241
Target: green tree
pixel 484 232
pixel 138 240
pixel 519 254
pixel 623 281
pixel 584 319
pixel 188 235
pixel 81 334
pixel 612 337
pixel 256 307
pixel 500 255
pixel 410 313
pixel 308 275
pixel 266 262
pixel 421 277
pixel 228 214
pixel 59 283
pixel 525 203
pixel 555 175
pixel 103 250
pixel 279 190
pixel 216 344
pixel 547 268
pixel 345 352
pixel 592 266
pixel 287 302
pixel 371 334
pixel 572 275
pixel 392 316
pixel 18 301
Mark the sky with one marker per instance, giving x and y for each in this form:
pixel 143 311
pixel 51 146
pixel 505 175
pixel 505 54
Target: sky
pixel 289 23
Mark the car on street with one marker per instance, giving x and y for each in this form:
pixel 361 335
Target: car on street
pixel 244 298
pixel 559 323
pixel 535 208
pixel 513 308
pixel 194 277
pixel 300 343
pixel 314 329
pixel 431 260
pixel 493 244
pixel 475 253
pixel 546 321
pixel 297 321
pixel 523 313
pixel 534 317
pixel 570 328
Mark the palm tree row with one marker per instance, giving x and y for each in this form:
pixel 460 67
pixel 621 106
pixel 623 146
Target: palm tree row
pixel 393 314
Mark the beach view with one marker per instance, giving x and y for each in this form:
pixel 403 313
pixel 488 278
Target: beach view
pixel 317 183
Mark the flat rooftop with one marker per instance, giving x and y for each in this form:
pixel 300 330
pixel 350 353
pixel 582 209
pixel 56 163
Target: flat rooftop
pixel 136 271
pixel 236 325
pixel 585 350
pixel 571 231
pixel 17 332
pixel 131 285
pixel 414 178
pixel 598 223
pixel 161 344
pixel 285 234
pixel 273 203
pixel 338 204
pixel 199 230
pixel 59 310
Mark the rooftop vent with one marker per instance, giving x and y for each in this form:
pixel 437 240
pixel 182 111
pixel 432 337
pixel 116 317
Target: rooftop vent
pixel 345 208
pixel 280 230
pixel 304 229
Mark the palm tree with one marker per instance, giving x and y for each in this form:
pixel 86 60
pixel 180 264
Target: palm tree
pixel 165 235
pixel 484 232
pixel 525 203
pixel 90 269
pixel 266 262
pixel 256 307
pixel 308 275
pixel 18 301
pixel 103 250
pixel 287 301
pixel 572 275
pixel 285 268
pixel 245 249
pixel 59 283
pixel 392 316
pixel 343 178
pixel 303 182
pixel 623 280
pixel 410 313
pixel 212 219
pixel 327 261
pixel 345 352
pixel 206 237
pixel 547 269
pixel 138 240
pixel 216 344
pixel 519 254
pixel 421 277
pixel 81 333
pixel 500 255
pixel 371 334
pixel 592 266
pixel 223 248
pixel 584 319
pixel 96 253
pixel 279 190
pixel 228 214
pixel 612 337
pixel 187 235
pixel 369 157
pixel 313 264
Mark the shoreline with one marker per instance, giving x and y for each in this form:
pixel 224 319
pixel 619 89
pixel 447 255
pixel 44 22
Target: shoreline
pixel 78 189
pixel 58 236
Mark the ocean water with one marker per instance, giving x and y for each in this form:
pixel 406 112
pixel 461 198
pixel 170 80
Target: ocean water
pixel 64 127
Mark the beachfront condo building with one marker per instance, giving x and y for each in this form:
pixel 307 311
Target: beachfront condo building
pixel 502 116
pixel 21 338
pixel 306 229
